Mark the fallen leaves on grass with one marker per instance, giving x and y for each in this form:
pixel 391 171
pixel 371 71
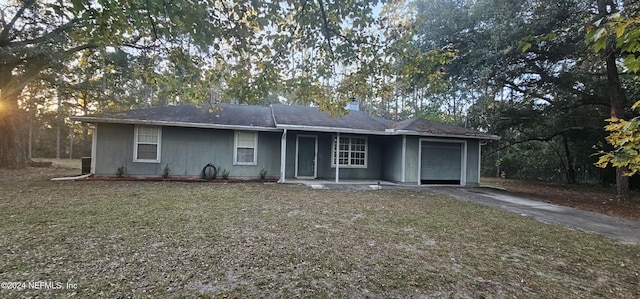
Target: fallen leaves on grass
pixel 585 197
pixel 171 239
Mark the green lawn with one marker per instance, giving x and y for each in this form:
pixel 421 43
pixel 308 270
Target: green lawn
pixel 171 239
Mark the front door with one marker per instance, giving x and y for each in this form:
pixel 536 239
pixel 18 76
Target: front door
pixel 306 156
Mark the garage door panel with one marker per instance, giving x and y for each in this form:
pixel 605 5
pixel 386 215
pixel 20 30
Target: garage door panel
pixel 441 161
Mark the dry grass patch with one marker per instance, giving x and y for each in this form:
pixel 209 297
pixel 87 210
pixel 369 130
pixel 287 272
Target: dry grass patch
pixel 171 239
pixel 61 163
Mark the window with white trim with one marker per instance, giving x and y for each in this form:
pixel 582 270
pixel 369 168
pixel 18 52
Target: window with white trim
pixel 147 144
pixel 246 148
pixel 352 152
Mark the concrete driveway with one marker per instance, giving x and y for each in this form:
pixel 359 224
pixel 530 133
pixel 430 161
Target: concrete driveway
pixel 626 231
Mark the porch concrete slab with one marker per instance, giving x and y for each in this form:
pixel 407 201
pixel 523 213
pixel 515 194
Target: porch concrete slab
pixel 626 231
pixel 344 184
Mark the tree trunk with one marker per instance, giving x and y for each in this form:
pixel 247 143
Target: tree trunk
pixel 13 122
pixel 571 165
pixel 12 130
pixel 30 144
pixel 606 7
pixel 71 135
pixel 58 143
pixel 617 111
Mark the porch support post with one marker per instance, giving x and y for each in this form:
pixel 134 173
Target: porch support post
pixel 283 156
pixel 94 148
pixel 337 155
pixel 403 177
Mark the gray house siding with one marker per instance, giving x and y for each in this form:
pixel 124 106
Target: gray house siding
pixel 473 152
pixel 392 159
pixel 412 159
pixel 185 150
pixel 114 148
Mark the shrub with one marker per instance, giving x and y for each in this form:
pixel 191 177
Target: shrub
pixel 120 171
pixel 165 172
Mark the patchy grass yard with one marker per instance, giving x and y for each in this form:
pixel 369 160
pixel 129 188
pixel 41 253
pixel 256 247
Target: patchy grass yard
pixel 63 163
pixel 171 239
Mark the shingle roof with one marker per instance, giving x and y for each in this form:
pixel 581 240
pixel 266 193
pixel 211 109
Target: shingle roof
pixel 278 117
pixel 436 128
pixel 312 117
pixel 220 114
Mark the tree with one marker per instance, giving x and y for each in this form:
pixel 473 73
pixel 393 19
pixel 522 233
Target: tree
pixel 253 38
pixel 611 45
pixel 43 35
pixel 615 34
pixel 532 79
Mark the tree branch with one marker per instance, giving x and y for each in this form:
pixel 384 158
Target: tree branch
pixel 326 30
pixel 4 36
pixel 2 19
pixel 546 138
pixel 47 35
pixel 517 88
pixel 153 23
pixel 80 48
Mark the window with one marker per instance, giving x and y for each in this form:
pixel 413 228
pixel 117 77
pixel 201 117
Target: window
pixel 352 152
pixel 147 144
pixel 246 148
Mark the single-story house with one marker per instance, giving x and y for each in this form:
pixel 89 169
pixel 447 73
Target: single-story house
pixel 283 141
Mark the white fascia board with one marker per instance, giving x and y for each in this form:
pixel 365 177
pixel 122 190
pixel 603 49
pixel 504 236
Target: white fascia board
pixel 332 130
pixel 383 133
pixel 172 124
pixel 414 133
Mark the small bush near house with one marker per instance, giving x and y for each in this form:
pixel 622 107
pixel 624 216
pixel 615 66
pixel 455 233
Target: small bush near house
pixel 120 171
pixel 165 172
pixel 225 174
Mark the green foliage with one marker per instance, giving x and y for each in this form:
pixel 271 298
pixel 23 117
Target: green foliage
pixel 111 55
pixel 263 173
pixel 521 70
pixel 225 174
pixel 625 30
pixel 165 171
pixel 624 135
pixel 120 171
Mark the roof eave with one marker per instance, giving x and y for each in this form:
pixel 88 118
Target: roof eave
pixel 90 119
pixel 331 129
pixel 468 136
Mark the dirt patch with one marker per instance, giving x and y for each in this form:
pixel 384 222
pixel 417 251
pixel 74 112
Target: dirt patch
pixel 585 197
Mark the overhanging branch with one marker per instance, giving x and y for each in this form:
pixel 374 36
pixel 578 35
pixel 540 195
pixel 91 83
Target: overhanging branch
pixel 4 36
pixel 326 30
pixel 545 138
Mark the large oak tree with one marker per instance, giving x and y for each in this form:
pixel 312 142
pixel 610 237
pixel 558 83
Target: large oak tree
pixel 256 37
